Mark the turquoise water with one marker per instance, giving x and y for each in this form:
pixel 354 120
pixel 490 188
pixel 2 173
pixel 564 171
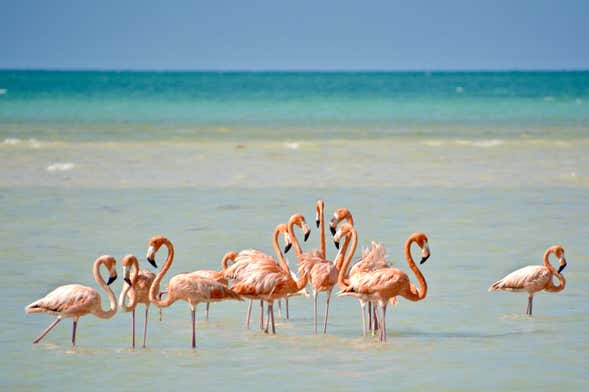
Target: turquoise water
pixel 494 173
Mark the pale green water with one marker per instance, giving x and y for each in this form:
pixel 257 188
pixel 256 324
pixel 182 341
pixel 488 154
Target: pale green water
pixel 494 176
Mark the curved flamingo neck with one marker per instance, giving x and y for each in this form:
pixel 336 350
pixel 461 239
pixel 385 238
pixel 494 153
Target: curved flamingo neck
pixel 414 294
pixel 342 277
pixel 156 282
pixel 339 259
pixel 130 290
pixel 229 256
pixel 99 312
pixel 295 242
pixel 561 279
pixel 322 229
pixel 281 261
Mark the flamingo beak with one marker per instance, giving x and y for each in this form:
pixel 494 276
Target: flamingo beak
pixel 111 279
pixel 150 256
pixel 307 235
pixel 425 253
pixel 332 225
pixel 128 281
pixel 336 243
pixel 317 222
pixel 126 275
pixel 287 248
pixel 563 264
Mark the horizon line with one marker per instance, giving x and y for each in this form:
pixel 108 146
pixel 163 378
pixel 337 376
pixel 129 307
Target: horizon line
pixel 278 70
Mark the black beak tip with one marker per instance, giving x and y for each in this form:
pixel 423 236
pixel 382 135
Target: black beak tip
pixel 336 244
pixel 287 248
pixel 317 222
pixel 424 259
pixel 561 268
pixel 307 236
pixel 152 262
pixel 332 229
pixel 128 281
pixel 111 279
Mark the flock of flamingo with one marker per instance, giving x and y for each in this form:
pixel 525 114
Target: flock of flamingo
pixel 255 275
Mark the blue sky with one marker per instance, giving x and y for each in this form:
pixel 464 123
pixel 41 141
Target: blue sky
pixel 294 35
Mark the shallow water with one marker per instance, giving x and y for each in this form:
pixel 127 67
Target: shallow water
pixel 491 199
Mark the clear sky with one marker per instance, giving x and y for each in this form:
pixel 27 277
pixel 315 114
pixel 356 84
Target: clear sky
pixel 294 35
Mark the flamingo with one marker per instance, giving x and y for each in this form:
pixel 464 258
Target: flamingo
pixel 534 278
pixel 75 301
pixel 270 282
pixel 323 273
pixel 372 259
pixel 383 285
pixel 187 286
pixel 217 275
pixel 136 289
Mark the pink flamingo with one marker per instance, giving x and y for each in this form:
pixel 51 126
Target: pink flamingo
pixel 217 275
pixel 187 287
pixel 323 273
pixel 136 289
pixel 383 285
pixel 247 262
pixel 270 282
pixel 75 301
pixel 534 278
pixel 372 259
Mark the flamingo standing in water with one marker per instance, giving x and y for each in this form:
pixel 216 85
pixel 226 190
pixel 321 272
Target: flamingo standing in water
pixel 75 301
pixel 534 278
pixel 323 273
pixel 383 285
pixel 270 282
pixel 372 259
pixel 136 289
pixel 187 287
pixel 217 275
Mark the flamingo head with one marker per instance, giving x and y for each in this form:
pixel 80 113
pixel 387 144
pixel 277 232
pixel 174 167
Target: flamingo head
pixel 422 242
pixel 287 242
pixel 343 231
pixel 299 220
pixel 559 252
pixel 339 215
pixel 154 245
pixel 319 206
pixel 127 263
pixel 110 264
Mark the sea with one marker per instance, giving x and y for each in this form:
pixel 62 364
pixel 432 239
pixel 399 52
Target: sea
pixel 492 166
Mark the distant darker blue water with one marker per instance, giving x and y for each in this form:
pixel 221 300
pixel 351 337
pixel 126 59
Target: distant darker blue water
pixel 98 105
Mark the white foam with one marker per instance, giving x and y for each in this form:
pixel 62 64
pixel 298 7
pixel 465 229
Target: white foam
pixel 3 91
pixel 459 89
pixel 60 166
pixel 433 143
pixel 487 143
pixel 12 141
pixel 292 146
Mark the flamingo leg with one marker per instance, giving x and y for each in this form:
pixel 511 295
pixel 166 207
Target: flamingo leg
pixel 383 324
pixel 286 303
pixel 249 313
pixel 145 325
pixel 75 326
pixel 315 312
pixel 268 318
pixel 133 328
pixel 207 311
pixel 193 312
pixel 280 309
pixel 46 331
pixel 272 315
pixel 370 316
pixel 363 308
pixel 327 311
pixel 262 316
pixel 530 302
pixel 376 322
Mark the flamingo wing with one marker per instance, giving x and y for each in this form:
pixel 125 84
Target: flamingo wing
pixel 65 300
pixel 530 278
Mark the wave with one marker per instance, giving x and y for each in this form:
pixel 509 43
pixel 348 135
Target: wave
pixel 480 143
pixel 13 141
pixel 61 166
